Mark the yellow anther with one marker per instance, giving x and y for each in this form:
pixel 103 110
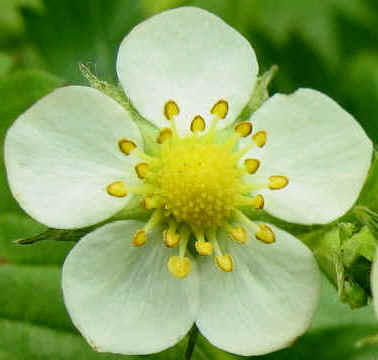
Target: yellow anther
pixel 142 170
pixel 265 234
pixel 179 266
pixel 117 189
pixel 204 247
pixel 224 262
pixel 150 202
pixel 220 109
pixel 165 134
pixel 171 239
pixel 260 138
pixel 239 234
pixel 258 202
pixel 171 109
pixel 244 128
pixel 198 124
pixel 140 238
pixel 252 165
pixel 278 182
pixel 126 146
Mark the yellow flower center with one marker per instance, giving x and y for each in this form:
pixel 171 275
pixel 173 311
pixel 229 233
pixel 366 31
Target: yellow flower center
pixel 195 186
pixel 199 182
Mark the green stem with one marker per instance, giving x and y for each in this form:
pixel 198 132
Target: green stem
pixel 191 342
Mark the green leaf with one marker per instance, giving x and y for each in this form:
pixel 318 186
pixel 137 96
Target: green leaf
pixel 360 88
pixel 5 63
pixel 10 19
pixel 71 32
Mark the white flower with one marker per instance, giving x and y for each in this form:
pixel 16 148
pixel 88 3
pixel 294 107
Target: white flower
pixel 70 160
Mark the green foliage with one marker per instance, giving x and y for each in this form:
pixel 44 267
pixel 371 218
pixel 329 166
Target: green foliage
pixel 67 33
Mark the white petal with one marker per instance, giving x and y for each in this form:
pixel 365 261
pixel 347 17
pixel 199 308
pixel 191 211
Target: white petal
pixel 190 56
pixel 323 151
pixel 266 302
pixel 63 152
pixel 374 283
pixel 122 298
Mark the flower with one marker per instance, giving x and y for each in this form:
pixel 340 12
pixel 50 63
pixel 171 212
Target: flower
pixel 77 158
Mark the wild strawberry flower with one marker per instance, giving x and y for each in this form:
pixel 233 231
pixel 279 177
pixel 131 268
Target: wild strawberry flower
pixel 76 158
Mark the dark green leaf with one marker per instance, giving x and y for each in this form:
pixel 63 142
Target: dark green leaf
pixel 71 32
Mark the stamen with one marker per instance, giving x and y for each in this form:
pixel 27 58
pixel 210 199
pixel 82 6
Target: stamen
pixel 154 220
pixel 171 110
pixel 142 170
pixel 126 146
pixel 240 217
pixel 198 124
pixel 244 128
pixel 203 247
pixel 117 189
pixel 150 202
pixel 164 135
pixel 252 165
pixel 220 109
pixel 244 150
pixel 253 187
pixel 184 236
pixel 260 138
pixel 179 266
pixel 223 261
pixel 140 237
pixel 265 234
pixel 144 189
pixel 278 182
pixel 145 157
pixel 171 238
pixel 258 202
pixel 237 233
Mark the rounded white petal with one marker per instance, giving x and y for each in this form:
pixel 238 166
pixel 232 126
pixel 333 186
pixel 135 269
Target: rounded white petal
pixel 319 147
pixel 62 153
pixel 122 298
pixel 374 283
pixel 266 302
pixel 191 57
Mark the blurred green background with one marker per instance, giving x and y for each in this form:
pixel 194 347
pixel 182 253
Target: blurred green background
pixel 329 45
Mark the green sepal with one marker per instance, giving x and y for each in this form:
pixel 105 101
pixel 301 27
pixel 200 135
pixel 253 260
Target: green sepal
pixel 149 131
pixel 362 244
pixel 345 257
pixel 133 210
pixel 56 235
pixel 259 95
